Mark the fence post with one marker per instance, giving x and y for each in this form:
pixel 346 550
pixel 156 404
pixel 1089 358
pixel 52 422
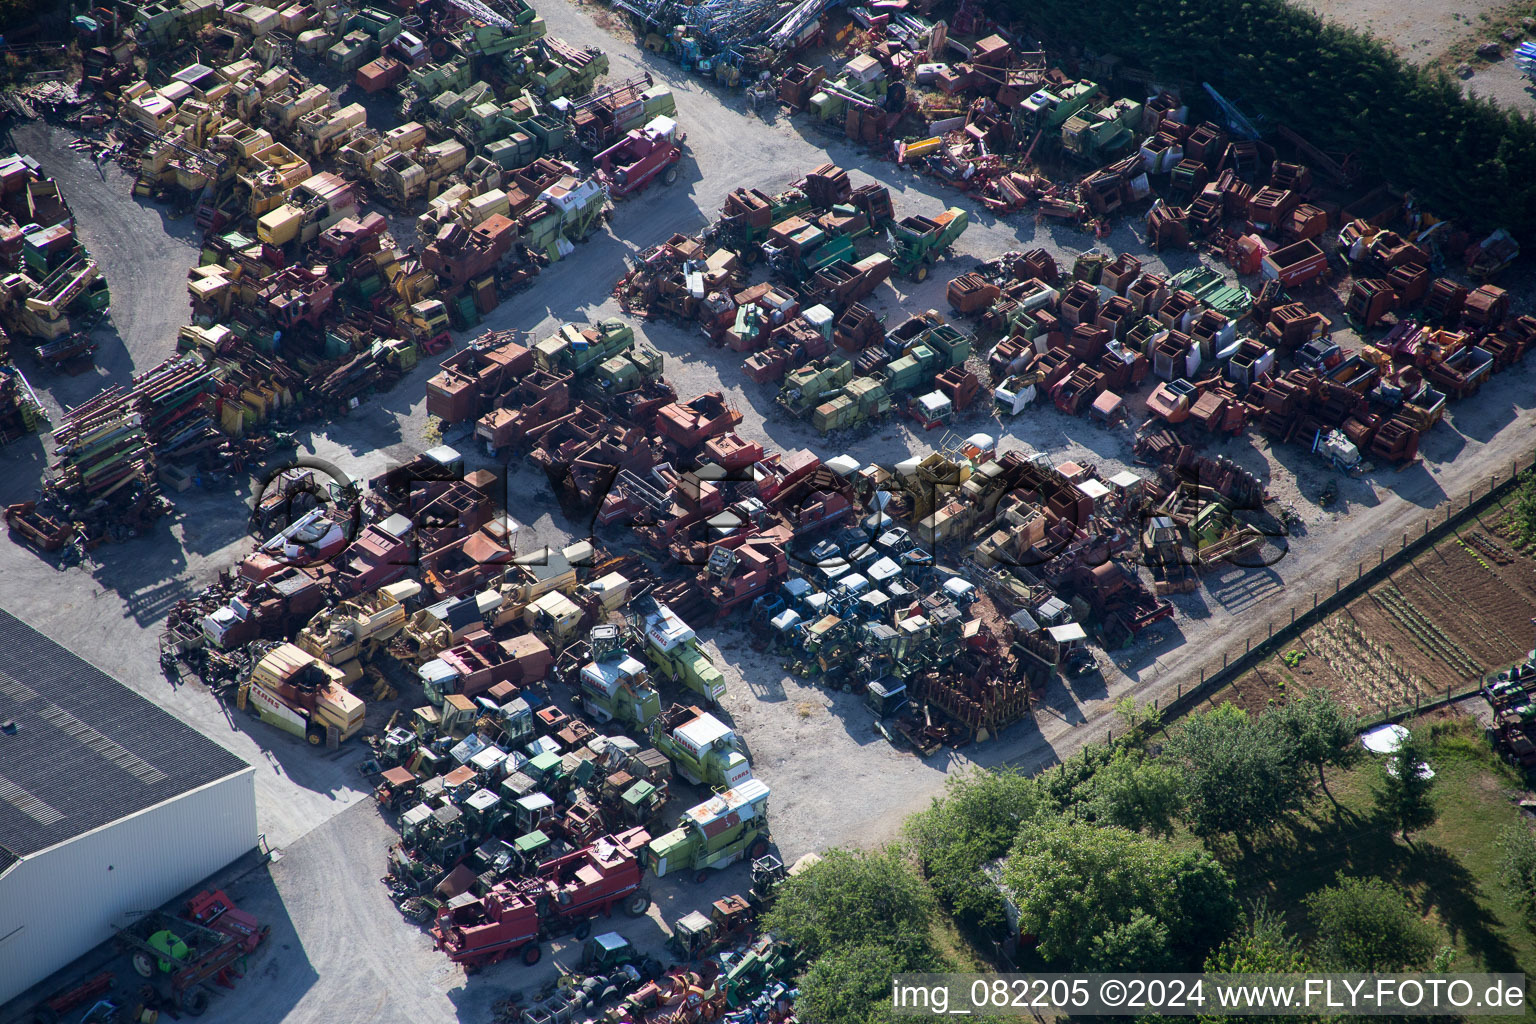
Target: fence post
pixel 1426 526
pixel 1381 556
pixel 1314 600
pixel 1271 628
pixel 1180 693
pixel 1202 675
pixel 1293 615
pixel 1335 584
pixel 1248 645
pixel 1359 569
pixel 1405 542
pixel 1223 659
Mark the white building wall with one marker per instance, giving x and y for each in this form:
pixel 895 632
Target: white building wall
pixel 58 904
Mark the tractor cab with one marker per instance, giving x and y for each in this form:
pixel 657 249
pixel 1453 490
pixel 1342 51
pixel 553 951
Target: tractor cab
pixel 609 952
pixel 396 787
pixel 693 935
pixel 885 697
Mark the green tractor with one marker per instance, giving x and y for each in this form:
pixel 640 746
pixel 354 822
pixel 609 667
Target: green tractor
pixel 610 952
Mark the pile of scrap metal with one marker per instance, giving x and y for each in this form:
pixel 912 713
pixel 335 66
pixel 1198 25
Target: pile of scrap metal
pixel 49 276
pixel 21 413
pixel 733 41
pixel 115 450
pixel 726 970
pixel 1203 513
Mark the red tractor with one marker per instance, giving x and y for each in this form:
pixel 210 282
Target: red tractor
pixel 563 895
pixel 630 164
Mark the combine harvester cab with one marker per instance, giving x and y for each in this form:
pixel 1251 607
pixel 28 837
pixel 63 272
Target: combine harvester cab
pixel 717 833
pixel 674 652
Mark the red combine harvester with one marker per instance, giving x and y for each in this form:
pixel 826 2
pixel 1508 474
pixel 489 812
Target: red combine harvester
pixel 564 895
pixel 634 161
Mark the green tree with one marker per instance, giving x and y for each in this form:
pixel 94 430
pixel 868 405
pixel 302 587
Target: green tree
pixel 849 985
pixel 1242 773
pixel 1406 794
pixel 1100 897
pixel 852 898
pixel 1324 733
pixel 1517 868
pixel 1136 792
pixel 1065 785
pixel 974 822
pixel 1364 924
pixel 1260 945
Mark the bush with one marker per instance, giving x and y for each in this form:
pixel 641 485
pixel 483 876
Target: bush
pixel 1363 924
pixel 1517 869
pixel 858 918
pixel 1102 898
pixel 1242 772
pixel 975 822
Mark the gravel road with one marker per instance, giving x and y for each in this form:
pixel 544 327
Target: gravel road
pixel 342 953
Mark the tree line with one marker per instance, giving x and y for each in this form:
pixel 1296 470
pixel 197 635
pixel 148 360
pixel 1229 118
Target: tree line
pixel 1466 157
pixel 1106 863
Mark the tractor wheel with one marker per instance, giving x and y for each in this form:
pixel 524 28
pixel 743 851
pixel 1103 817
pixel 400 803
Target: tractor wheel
pixel 314 735
pixel 920 272
pixel 582 930
pixel 144 964
pixel 194 1002
pixel 759 849
pixel 701 876
pixel 669 176
pixel 650 969
pixel 532 953
pixel 638 903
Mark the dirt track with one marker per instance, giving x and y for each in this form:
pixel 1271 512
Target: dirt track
pixel 834 781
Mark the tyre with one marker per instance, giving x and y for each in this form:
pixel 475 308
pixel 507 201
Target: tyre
pixel 314 735
pixel 638 903
pixel 920 272
pixel 532 953
pixel 759 849
pixel 582 930
pixel 194 1002
pixel 669 176
pixel 701 876
pixel 144 964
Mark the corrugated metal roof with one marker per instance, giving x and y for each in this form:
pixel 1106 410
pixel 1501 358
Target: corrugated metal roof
pixel 86 750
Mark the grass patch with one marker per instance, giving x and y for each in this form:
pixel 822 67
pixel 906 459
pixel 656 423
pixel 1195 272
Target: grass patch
pixel 1450 871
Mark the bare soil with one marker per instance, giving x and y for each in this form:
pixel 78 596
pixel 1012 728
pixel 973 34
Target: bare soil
pixel 1461 609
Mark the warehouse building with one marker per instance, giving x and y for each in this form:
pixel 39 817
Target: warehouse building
pixel 109 806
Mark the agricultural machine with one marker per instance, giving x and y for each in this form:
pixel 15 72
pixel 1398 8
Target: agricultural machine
pixel 205 944
pixel 563 896
pixel 717 833
pixel 631 164
pixel 916 242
